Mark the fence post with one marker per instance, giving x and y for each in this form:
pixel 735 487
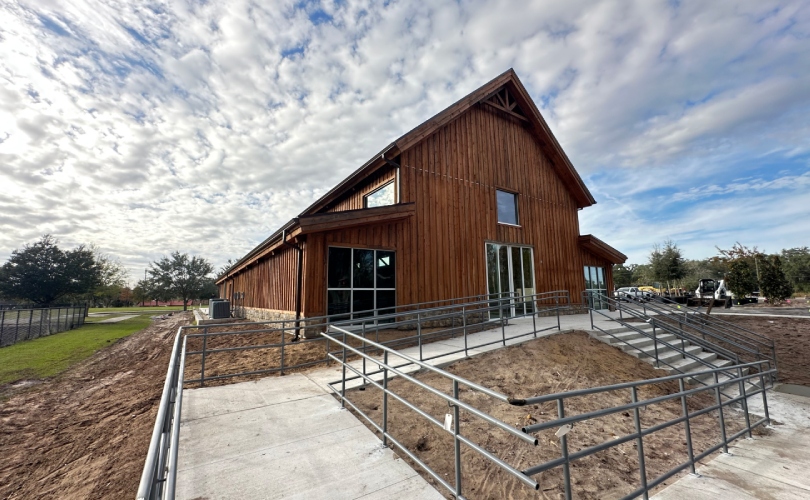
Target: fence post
pixel 457 443
pixel 41 318
pixel 2 324
pixel 764 398
pixel 30 320
pixel 17 327
pixel 642 469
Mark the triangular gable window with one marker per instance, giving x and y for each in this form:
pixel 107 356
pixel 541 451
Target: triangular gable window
pixel 503 100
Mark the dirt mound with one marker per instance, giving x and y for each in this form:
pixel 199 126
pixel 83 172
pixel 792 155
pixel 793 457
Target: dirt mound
pixel 85 434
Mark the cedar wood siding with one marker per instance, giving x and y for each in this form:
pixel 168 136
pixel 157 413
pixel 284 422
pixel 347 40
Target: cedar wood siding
pixel 452 176
pixel 268 283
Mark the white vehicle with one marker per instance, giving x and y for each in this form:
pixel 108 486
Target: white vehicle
pixel 628 293
pixel 708 288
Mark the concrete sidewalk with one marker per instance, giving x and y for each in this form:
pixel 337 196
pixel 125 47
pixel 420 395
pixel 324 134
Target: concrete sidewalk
pixel 773 467
pixel 286 437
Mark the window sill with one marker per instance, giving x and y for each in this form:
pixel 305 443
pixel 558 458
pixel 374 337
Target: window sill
pixel 510 225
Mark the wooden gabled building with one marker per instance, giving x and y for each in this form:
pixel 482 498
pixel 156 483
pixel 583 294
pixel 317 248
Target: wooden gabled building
pixel 479 199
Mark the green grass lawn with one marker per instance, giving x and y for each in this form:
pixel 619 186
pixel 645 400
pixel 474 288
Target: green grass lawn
pixel 159 309
pixel 48 356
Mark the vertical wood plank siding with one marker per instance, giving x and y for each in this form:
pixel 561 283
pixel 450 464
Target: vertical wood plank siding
pixel 268 283
pixel 354 199
pixel 451 176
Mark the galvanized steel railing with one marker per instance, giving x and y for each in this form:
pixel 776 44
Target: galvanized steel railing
pixel 387 370
pixel 462 318
pixel 380 376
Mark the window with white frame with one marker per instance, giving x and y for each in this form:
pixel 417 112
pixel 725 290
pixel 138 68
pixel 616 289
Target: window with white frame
pixel 360 282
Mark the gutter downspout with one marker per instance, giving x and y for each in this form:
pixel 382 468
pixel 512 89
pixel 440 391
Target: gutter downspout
pixel 298 283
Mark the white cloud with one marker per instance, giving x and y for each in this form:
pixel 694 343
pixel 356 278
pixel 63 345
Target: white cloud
pixel 204 126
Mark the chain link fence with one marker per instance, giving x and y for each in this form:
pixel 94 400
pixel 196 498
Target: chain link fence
pixel 17 325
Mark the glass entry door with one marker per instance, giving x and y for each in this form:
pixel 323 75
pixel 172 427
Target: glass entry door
pixel 510 274
pixel 595 283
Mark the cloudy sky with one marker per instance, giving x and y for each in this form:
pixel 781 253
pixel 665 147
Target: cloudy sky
pixel 202 126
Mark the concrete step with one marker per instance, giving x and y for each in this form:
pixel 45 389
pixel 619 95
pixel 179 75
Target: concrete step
pixel 665 354
pixel 648 342
pixel 624 329
pixel 690 364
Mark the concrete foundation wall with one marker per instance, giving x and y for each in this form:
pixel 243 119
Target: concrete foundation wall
pixel 259 314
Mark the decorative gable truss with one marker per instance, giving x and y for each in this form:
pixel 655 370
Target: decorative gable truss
pixel 502 99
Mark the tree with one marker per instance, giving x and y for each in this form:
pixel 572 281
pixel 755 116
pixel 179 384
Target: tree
pixel 42 273
pixel 623 275
pixel 224 269
pixel 180 276
pixel 740 279
pixel 667 263
pixel 796 264
pixel 772 281
pixel 112 278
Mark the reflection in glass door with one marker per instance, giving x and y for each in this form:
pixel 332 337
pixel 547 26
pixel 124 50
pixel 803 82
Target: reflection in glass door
pixel 595 283
pixel 510 274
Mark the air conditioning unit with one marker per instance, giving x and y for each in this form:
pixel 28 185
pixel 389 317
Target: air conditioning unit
pixel 219 309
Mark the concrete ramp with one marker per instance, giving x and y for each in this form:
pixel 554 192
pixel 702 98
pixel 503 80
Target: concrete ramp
pixel 284 437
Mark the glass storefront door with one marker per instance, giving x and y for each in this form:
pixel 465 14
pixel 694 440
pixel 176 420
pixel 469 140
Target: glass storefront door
pixel 595 282
pixel 510 274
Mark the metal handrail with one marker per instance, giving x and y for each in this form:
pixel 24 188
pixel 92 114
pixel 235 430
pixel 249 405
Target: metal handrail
pixel 158 478
pixel 760 338
pixel 453 401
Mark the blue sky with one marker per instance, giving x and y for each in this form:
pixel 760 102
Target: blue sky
pixel 148 127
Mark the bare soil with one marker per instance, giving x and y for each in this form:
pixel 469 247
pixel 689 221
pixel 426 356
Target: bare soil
pixel 307 352
pixel 85 433
pixel 791 338
pixel 548 365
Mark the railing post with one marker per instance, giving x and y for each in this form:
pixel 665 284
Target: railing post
pixel 419 333
pixel 503 324
pixel 364 350
pixel 642 469
pixel 283 342
pixel 720 412
pixel 688 427
pixel 744 401
pixel 564 449
pixel 464 324
pixel 588 299
pixel 456 442
pixel 202 364
pixel 385 399
pixel 655 344
pixel 557 307
pixel 764 398
pixel 343 378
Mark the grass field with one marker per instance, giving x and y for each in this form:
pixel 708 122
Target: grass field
pixel 159 309
pixel 49 356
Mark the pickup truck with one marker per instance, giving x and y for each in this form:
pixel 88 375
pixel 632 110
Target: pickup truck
pixel 629 293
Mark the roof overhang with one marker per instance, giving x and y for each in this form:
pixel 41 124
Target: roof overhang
pixel 352 218
pixel 601 249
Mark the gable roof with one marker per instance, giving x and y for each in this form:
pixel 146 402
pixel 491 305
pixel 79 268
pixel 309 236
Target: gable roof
pixel 509 79
pixel 528 111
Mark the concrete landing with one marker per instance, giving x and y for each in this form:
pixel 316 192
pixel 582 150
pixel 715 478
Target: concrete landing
pixel 284 437
pixel 770 467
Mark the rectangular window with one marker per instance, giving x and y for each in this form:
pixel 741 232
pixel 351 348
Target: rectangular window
pixel 361 283
pixel 382 197
pixel 507 207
